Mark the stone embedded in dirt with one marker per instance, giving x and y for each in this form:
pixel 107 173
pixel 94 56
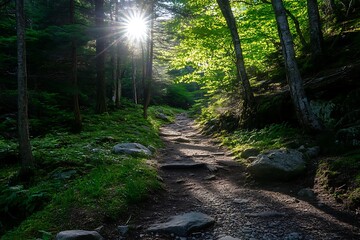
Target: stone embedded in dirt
pixel 306 192
pixel 228 238
pixel 78 235
pixel 182 165
pixel 250 152
pixel 293 236
pixel 131 149
pixel 182 225
pixel 162 117
pixel 123 230
pixel 210 177
pixel 266 214
pixel 241 200
pixel 212 168
pixel 280 164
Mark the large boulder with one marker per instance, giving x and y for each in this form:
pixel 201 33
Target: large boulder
pixel 281 164
pixel 182 225
pixel 78 235
pixel 131 149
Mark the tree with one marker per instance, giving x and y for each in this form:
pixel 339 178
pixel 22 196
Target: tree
pixel 149 59
pixel 23 121
pixel 242 77
pixel 316 36
pixel 74 80
pixel 100 58
pixel 303 110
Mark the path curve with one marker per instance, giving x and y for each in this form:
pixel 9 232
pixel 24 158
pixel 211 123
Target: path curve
pixel 218 186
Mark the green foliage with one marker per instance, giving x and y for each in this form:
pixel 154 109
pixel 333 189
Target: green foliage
pixel 79 174
pixel 341 176
pixel 270 137
pixel 178 96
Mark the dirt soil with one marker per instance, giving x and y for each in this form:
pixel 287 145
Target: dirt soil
pixel 213 183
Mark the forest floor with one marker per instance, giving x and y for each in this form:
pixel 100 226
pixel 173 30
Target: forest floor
pixel 221 188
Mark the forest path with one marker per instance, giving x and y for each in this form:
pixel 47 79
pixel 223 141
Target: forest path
pixel 211 182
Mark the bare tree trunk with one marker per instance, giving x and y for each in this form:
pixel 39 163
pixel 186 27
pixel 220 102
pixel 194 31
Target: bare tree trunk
pixel 100 59
pixel 303 110
pixel 243 80
pixel 26 156
pixel 74 80
pixel 134 79
pixel 316 36
pixel 149 61
pixel 297 28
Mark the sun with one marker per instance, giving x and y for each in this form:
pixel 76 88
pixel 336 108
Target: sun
pixel 136 27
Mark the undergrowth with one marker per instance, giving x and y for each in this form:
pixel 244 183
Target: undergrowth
pixel 79 182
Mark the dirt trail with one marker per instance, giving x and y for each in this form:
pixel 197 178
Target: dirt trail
pixel 214 184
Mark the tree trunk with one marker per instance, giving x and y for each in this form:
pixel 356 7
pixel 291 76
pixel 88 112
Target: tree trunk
pixel 74 81
pixel 134 80
pixel 149 61
pixel 247 94
pixel 303 110
pixel 297 28
pixel 316 36
pixel 26 156
pixel 100 58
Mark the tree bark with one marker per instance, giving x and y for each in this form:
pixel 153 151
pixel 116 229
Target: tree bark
pixel 134 71
pixel 149 61
pixel 26 156
pixel 74 79
pixel 316 36
pixel 100 58
pixel 247 94
pixel 304 113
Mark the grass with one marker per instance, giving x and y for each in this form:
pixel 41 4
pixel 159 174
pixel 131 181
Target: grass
pixel 274 136
pixel 341 176
pixel 79 182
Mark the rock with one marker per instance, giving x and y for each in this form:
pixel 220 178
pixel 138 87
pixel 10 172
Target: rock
pixel 210 177
pixel 281 164
pixel 311 152
pixel 349 136
pixel 182 225
pixel 250 152
pixel 123 230
pixel 162 117
pixel 241 200
pixel 131 149
pixel 306 192
pixel 65 174
pixel 78 235
pixel 228 238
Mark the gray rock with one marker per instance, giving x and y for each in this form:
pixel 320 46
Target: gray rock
pixel 210 177
pixel 162 117
pixel 131 149
pixel 181 140
pixel 281 164
pixel 241 200
pixel 182 225
pixel 306 192
pixel 250 152
pixel 78 235
pixel 311 152
pixel 65 174
pixel 228 238
pixel 123 230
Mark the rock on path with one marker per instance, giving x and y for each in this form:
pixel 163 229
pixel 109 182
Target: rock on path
pixel 182 225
